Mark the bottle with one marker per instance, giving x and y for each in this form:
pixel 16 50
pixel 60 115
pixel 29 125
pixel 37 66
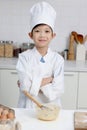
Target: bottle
pixel 65 54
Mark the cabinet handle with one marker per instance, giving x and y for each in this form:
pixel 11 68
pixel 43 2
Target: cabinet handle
pixel 13 72
pixel 69 74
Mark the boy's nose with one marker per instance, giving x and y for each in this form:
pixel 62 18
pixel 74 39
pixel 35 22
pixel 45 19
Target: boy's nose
pixel 42 33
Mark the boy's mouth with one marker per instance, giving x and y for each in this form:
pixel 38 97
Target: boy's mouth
pixel 42 40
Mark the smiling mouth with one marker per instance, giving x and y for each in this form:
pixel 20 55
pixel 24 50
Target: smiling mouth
pixel 42 40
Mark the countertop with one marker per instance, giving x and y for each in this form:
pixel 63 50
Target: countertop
pixel 69 65
pixel 8 63
pixel 75 66
pixel 29 121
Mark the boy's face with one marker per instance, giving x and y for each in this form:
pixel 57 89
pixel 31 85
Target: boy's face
pixel 42 35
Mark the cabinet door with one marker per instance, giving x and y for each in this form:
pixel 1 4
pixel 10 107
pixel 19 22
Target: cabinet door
pixel 9 90
pixel 69 98
pixel 82 91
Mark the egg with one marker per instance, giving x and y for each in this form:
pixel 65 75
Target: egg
pixel 1 109
pixel 5 112
pixel 10 115
pixel 3 117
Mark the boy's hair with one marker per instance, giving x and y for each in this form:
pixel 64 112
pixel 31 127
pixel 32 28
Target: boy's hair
pixel 39 25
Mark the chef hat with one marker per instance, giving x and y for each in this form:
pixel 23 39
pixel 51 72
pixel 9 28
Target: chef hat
pixel 42 13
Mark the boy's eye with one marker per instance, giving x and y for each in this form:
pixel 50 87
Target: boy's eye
pixel 47 31
pixel 37 31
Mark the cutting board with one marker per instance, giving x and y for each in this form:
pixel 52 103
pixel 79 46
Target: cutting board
pixel 80 121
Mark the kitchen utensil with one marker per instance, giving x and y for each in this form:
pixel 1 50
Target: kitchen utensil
pixel 34 100
pixel 71 55
pixel 46 112
pixel 80 38
pixel 75 36
pixel 80 120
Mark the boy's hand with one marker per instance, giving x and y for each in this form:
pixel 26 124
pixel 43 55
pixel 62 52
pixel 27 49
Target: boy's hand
pixel 18 83
pixel 46 81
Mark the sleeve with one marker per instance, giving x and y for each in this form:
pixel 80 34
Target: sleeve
pixel 23 75
pixel 55 89
pixel 29 80
pixel 36 81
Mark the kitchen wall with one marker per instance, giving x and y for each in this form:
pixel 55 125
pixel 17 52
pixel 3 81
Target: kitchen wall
pixel 14 20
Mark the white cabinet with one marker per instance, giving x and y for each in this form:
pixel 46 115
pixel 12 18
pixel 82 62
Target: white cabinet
pixel 69 98
pixel 9 90
pixel 82 91
pixel 74 97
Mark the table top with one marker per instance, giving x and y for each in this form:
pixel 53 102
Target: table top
pixel 28 120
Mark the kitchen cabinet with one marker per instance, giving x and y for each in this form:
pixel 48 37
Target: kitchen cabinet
pixel 74 97
pixel 69 98
pixel 82 90
pixel 9 90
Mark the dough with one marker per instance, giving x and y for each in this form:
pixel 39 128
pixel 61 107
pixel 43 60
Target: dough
pixel 49 113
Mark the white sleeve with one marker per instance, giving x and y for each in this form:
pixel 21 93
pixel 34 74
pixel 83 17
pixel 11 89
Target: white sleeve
pixel 36 82
pixel 24 76
pixel 29 80
pixel 55 89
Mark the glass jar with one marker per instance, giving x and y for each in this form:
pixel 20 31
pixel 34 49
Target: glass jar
pixel 16 50
pixel 2 48
pixel 24 46
pixel 9 49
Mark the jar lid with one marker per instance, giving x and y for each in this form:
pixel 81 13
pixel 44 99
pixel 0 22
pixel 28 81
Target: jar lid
pixel 1 41
pixel 10 42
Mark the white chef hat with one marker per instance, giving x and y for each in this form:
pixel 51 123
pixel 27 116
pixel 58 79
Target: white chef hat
pixel 42 13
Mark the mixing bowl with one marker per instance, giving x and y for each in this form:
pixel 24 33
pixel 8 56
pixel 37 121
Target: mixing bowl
pixel 49 113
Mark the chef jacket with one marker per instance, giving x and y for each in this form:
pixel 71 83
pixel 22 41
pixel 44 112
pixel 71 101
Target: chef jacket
pixel 31 70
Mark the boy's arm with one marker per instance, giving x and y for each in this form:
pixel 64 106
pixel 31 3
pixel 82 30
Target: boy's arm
pixel 54 90
pixel 46 81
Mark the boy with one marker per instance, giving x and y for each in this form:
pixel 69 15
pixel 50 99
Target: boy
pixel 41 70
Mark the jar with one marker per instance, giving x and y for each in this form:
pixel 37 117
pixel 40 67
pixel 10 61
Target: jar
pixel 24 46
pixel 31 45
pixel 16 50
pixel 2 48
pixel 9 49
pixel 65 54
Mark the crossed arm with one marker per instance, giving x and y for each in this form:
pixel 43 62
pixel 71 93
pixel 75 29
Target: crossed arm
pixel 44 82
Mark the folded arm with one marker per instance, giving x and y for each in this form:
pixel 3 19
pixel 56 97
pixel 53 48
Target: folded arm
pixel 54 89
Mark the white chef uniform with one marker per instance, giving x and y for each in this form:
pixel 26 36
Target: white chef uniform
pixel 31 71
pixel 32 68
